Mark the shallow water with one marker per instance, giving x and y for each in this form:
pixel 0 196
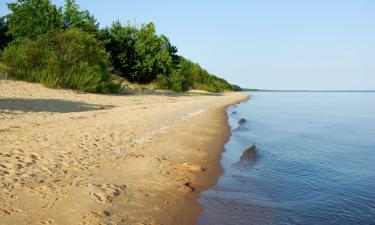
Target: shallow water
pixel 315 161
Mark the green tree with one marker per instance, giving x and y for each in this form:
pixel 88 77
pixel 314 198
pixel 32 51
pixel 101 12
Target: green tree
pixel 166 44
pixel 31 18
pixel 151 56
pixel 180 80
pixel 69 59
pixel 5 38
pixel 63 47
pixel 120 42
pixel 139 54
pixel 191 75
pixel 73 17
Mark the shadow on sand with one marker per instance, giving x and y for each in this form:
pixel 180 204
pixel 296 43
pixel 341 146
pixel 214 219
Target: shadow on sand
pixel 47 105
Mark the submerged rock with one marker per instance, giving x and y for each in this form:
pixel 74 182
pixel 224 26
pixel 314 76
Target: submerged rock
pixel 241 121
pixel 249 155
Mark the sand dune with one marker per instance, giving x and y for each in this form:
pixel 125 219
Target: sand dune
pixel 75 158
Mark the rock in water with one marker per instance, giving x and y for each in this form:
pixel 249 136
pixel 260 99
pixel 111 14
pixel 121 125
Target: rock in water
pixel 249 155
pixel 241 121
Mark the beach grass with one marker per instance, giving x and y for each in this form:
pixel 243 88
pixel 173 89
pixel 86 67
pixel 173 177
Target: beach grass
pixel 2 67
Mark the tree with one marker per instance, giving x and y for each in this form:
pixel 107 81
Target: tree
pixel 191 75
pixel 139 54
pixel 71 59
pixel 120 42
pixel 151 56
pixel 5 38
pixel 73 17
pixel 176 59
pixel 180 79
pixel 63 47
pixel 31 18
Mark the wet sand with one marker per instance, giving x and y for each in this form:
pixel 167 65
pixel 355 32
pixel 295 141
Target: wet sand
pixel 75 158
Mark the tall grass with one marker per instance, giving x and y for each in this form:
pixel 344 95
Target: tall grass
pixel 68 59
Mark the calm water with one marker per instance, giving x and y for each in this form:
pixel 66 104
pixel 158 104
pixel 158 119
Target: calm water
pixel 315 165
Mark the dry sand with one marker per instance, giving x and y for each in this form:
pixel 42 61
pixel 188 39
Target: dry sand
pixel 75 158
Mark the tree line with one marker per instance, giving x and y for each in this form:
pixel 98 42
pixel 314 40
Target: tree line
pixel 65 47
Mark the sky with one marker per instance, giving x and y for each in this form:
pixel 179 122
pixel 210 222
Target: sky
pixel 266 44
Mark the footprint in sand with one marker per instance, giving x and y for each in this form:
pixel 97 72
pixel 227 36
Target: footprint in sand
pixel 108 192
pixel 50 221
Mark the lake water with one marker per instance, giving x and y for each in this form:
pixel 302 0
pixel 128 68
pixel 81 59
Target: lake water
pixel 315 161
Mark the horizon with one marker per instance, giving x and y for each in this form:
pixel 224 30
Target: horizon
pixel 310 90
pixel 263 108
pixel 262 45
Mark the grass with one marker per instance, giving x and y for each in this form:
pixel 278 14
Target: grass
pixel 3 71
pixel 139 87
pixel 3 67
pixel 52 81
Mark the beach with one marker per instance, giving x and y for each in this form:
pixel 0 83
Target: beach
pixel 70 157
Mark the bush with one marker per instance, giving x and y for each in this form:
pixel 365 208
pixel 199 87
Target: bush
pixel 69 59
pixel 180 80
pixel 205 87
pixel 5 38
pixel 189 75
pixel 60 47
pixel 32 18
pixel 175 82
pixel 139 54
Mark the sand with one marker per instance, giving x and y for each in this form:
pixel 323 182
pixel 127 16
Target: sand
pixel 75 158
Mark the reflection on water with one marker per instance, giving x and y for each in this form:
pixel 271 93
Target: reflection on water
pixel 314 161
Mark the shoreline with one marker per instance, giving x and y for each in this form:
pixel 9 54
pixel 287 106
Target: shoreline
pixel 213 169
pixel 77 158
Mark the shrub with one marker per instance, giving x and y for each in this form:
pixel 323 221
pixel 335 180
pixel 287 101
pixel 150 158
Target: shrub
pixel 32 18
pixel 5 38
pixel 139 54
pixel 190 75
pixel 205 87
pixel 49 48
pixel 69 59
pixel 175 82
pixel 180 80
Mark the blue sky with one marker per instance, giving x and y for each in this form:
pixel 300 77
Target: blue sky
pixel 272 44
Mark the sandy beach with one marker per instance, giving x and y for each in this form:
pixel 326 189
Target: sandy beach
pixel 75 158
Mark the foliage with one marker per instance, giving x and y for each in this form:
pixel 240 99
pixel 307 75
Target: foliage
pixel 4 37
pixel 180 79
pixel 151 58
pixel 175 82
pixel 31 18
pixel 3 69
pixel 139 54
pixel 120 42
pixel 63 47
pixel 189 75
pixel 73 17
pixel 69 59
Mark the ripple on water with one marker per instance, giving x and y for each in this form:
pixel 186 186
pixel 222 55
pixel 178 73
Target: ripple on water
pixel 314 165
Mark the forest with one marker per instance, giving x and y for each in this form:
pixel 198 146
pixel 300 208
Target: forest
pixel 65 47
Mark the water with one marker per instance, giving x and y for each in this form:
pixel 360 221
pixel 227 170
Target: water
pixel 315 164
